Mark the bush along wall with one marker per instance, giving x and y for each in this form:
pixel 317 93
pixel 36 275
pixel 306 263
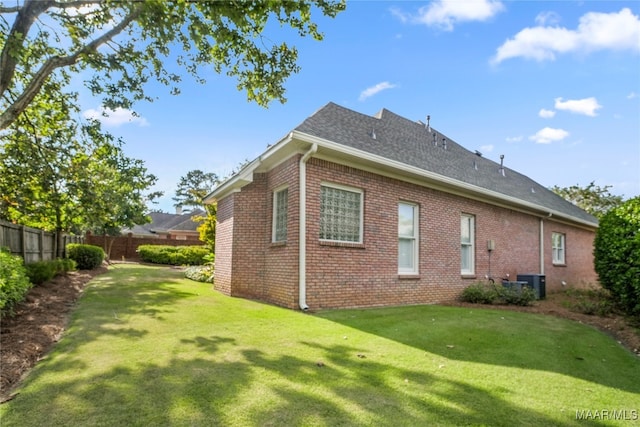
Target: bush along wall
pixel 87 257
pixel 42 271
pixel 617 255
pixel 14 283
pixel 173 255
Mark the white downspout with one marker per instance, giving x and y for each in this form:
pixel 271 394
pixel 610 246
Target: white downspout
pixel 541 245
pixel 302 241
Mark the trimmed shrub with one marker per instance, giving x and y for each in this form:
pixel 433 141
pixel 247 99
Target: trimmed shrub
pixel 480 293
pixel 87 257
pixel 490 293
pixel 14 283
pixel 200 273
pixel 516 296
pixel 617 255
pixel 43 271
pixel 173 255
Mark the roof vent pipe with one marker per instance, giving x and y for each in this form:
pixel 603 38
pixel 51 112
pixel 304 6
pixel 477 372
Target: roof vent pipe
pixel 502 164
pixel 428 125
pixel 444 143
pixel 435 139
pixel 373 133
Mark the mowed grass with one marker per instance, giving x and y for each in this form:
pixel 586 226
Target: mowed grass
pixel 146 347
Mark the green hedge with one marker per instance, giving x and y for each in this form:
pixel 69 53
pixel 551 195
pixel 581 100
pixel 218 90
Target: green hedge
pixel 42 271
pixel 173 255
pixel 14 283
pixel 617 255
pixel 87 257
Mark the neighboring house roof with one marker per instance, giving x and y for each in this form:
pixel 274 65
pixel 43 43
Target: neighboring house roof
pixel 165 223
pixel 389 143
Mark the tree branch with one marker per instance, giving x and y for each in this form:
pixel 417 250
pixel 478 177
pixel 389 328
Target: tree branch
pixel 14 41
pixel 31 90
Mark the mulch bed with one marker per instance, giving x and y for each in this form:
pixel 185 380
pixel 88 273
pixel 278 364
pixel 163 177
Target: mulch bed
pixel 40 321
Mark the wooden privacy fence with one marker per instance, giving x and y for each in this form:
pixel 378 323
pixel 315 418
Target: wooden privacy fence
pixel 33 244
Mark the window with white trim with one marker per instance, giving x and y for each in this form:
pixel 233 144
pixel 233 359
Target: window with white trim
pixel 467 244
pixel 558 248
pixel 280 205
pixel 407 238
pixel 340 213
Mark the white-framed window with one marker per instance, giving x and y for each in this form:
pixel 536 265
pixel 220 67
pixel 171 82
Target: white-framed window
pixel 558 248
pixel 280 205
pixel 408 216
pixel 341 213
pixel 467 244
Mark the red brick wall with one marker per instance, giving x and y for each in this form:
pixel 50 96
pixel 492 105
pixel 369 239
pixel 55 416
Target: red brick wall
pixel 578 270
pixel 224 244
pixel 124 247
pixel 366 274
pixel 281 260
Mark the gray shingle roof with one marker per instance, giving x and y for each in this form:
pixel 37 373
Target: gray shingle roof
pixel 409 142
pixel 162 222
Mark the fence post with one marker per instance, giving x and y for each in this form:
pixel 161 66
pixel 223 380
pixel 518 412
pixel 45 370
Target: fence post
pixel 23 242
pixel 41 244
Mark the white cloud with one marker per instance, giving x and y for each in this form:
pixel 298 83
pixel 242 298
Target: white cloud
pixel 547 18
pixel 514 138
pixel 488 148
pixel 549 135
pixel 445 13
pixel 115 118
pixel 586 106
pixel 373 90
pixel 546 114
pixel 632 95
pixel 596 31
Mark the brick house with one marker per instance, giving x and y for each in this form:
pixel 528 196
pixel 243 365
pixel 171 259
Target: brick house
pixel 393 213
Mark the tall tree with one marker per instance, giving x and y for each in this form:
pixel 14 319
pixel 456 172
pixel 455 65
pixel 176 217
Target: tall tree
pixel 193 187
pixel 62 175
pixel 128 42
pixel 593 199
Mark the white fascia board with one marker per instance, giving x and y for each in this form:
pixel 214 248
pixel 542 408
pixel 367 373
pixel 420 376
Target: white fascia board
pixel 442 183
pixel 245 176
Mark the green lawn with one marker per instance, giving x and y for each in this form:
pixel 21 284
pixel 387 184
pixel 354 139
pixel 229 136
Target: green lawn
pixel 147 347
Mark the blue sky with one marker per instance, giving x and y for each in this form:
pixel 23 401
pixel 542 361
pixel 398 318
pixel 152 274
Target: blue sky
pixel 553 86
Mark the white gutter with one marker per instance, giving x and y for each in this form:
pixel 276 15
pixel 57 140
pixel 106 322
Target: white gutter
pixel 302 241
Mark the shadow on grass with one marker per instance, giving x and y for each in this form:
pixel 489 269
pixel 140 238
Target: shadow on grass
pixel 511 339
pixel 213 391
pixel 112 299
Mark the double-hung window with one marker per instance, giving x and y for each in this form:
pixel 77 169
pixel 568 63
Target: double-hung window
pixel 558 248
pixel 340 213
pixel 407 238
pixel 280 205
pixel 467 244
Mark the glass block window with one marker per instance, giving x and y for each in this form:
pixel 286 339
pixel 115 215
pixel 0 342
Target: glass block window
pixel 280 205
pixel 467 244
pixel 558 248
pixel 407 238
pixel 340 214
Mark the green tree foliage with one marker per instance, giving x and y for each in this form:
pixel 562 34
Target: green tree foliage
pixel 129 42
pixel 617 254
pixel 63 175
pixel 193 187
pixel 593 199
pixel 207 227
